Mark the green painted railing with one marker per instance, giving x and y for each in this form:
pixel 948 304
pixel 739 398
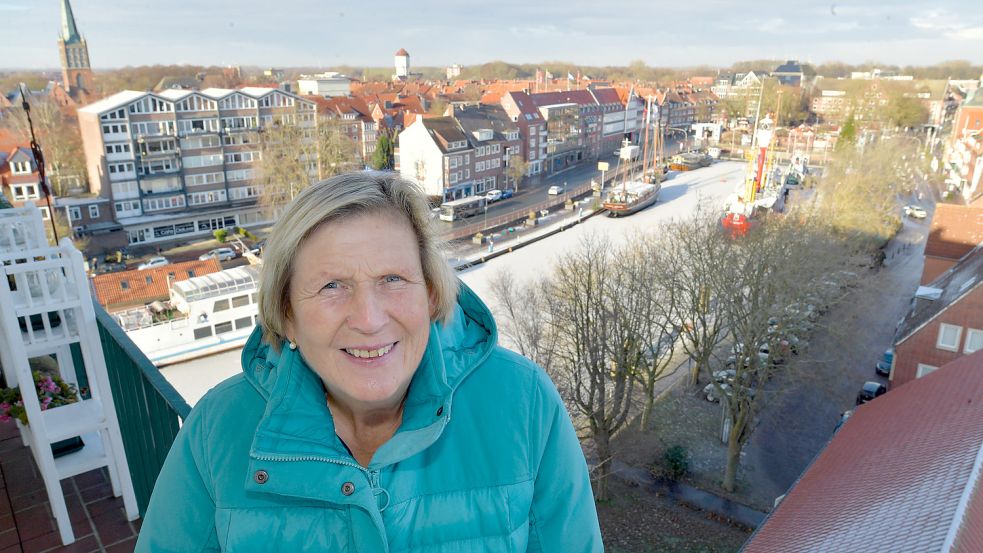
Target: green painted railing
pixel 147 406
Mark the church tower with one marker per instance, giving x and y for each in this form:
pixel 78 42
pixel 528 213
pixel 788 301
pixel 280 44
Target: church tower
pixel 75 71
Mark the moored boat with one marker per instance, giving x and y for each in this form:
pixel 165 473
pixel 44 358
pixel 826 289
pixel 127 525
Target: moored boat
pixel 631 198
pixel 205 315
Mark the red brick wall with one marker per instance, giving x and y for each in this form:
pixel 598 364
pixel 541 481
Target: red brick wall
pixel 920 347
pixel 934 267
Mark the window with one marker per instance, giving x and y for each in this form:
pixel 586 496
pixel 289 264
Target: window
pixel 203 332
pixel 223 328
pixel 923 370
pixel 244 322
pixel 124 285
pixel 75 213
pixel 949 337
pixel 974 340
pixel 220 305
pixel 117 148
pixel 242 157
pixel 150 280
pixel 93 212
pixel 20 167
pixel 24 192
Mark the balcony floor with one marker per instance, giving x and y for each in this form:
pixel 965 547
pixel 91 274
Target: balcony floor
pixel 26 524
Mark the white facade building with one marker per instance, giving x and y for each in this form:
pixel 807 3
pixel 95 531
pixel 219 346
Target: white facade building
pixel 325 84
pixel 183 163
pixel 421 159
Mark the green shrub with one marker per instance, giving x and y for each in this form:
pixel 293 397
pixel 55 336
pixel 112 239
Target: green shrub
pixel 221 235
pixel 676 461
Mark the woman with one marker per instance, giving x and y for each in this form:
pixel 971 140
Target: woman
pixel 375 411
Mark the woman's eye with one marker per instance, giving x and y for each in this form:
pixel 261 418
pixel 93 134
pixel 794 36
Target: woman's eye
pixel 331 285
pixel 394 278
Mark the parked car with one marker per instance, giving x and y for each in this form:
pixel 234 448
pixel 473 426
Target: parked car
pixel 713 391
pixel 844 416
pixel 507 193
pixel 883 367
pixel 258 248
pixel 493 196
pixel 158 261
pixel 915 211
pixel 555 190
pixel 870 391
pixel 222 254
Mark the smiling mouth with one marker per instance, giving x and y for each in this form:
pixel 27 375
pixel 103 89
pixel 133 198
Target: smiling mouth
pixel 369 353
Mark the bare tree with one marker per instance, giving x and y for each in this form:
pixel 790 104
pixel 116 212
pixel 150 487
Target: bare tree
pixel 516 170
pixel 590 328
pixel 523 327
pixel 694 248
pixel 293 157
pixel 60 139
pixel 641 266
pixel 769 287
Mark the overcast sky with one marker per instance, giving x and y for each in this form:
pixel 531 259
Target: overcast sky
pixel 287 33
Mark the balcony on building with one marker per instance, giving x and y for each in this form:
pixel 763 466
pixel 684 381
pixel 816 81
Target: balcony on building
pixel 149 411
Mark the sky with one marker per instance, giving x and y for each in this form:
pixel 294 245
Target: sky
pixel 323 33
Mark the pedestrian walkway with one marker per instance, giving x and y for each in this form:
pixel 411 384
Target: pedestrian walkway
pixel 690 496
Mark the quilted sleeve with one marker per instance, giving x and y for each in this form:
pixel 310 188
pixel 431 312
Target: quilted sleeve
pixel 181 514
pixel 563 516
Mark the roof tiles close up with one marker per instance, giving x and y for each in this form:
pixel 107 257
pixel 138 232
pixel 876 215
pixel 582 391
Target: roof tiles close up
pixel 901 475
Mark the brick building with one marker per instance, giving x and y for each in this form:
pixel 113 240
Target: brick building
pixel 459 155
pixel 133 288
pixel 956 230
pixel 944 323
pixel 901 474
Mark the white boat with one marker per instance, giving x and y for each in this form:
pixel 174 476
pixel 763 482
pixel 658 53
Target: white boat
pixel 205 315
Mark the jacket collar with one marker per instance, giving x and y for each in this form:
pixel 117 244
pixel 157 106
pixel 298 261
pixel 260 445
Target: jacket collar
pixel 297 423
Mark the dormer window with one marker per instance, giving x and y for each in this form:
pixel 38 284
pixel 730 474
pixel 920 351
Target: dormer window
pixel 20 167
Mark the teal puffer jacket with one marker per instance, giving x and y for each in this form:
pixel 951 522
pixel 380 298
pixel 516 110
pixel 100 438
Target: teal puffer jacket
pixel 486 460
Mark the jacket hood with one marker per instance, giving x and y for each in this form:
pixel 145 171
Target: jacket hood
pixel 453 351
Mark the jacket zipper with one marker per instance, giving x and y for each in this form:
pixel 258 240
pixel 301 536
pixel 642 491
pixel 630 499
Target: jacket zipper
pixel 310 458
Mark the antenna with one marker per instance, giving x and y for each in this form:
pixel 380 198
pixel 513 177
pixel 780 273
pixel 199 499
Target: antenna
pixel 38 159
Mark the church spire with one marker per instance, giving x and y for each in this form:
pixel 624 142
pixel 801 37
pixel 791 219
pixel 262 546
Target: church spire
pixel 69 34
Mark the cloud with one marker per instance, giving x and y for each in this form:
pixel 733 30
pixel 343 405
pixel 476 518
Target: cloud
pixel 5 7
pixel 951 26
pixel 968 33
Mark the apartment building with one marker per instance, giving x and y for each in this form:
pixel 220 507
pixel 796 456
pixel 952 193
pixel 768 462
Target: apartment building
pixel 495 139
pixel 459 155
pixel 564 128
pixel 436 152
pixel 354 117
pixel 532 129
pixel 180 163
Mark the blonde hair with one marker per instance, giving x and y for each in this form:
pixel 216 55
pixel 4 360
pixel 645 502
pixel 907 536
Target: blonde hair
pixel 335 199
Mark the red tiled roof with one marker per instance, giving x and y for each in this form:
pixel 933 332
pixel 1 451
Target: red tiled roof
pixel 955 231
pixel 903 474
pixel 111 294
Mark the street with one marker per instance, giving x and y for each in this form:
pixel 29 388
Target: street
pixel 823 383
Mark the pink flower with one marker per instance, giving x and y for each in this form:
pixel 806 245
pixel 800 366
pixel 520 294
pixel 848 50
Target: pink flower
pixel 4 417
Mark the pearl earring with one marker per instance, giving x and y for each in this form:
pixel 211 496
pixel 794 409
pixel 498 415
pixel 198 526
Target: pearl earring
pixel 293 345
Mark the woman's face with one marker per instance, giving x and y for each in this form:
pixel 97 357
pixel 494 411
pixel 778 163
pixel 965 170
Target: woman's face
pixel 360 309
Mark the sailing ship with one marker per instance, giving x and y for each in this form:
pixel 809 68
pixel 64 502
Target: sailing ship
pixel 635 194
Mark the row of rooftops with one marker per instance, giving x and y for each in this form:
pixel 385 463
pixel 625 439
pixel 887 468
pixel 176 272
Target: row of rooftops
pixel 125 97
